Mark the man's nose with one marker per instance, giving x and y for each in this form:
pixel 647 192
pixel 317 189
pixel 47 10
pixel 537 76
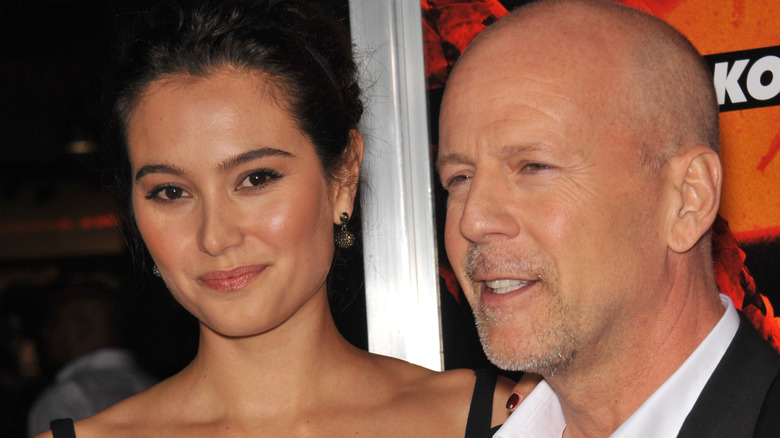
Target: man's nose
pixel 486 212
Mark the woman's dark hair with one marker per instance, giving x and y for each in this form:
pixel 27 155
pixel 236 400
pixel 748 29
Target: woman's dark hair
pixel 307 54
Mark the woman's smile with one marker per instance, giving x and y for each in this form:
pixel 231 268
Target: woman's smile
pixel 231 280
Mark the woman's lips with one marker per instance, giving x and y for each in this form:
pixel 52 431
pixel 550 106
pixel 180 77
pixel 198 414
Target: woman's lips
pixel 234 279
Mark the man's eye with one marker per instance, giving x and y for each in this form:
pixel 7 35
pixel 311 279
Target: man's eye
pixel 456 180
pixel 535 167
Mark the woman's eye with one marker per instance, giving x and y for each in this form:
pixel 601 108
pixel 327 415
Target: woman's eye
pixel 166 193
pixel 259 178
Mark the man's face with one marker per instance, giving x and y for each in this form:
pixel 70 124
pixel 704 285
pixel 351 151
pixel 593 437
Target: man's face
pixel 552 228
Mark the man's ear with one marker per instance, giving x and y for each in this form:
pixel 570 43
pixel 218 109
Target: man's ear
pixel 348 177
pixel 695 185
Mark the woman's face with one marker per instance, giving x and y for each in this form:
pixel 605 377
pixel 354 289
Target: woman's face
pixel 231 201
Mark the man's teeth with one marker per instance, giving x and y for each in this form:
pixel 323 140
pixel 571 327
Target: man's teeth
pixel 504 286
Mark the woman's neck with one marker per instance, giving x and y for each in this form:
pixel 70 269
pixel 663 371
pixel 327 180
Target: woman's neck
pixel 275 370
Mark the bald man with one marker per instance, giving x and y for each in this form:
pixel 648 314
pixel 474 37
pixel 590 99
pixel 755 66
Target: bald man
pixel 579 147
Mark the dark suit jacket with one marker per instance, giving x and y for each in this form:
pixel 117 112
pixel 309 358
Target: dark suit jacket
pixel 742 397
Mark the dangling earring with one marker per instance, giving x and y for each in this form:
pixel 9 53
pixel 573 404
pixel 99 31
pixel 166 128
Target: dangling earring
pixel 344 237
pixel 156 271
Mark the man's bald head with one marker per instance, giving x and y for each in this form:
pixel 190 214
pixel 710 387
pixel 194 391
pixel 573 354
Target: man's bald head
pixel 658 86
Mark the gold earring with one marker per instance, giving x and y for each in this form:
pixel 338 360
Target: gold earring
pixel 156 271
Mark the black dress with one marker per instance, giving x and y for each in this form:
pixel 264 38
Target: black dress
pixel 481 410
pixel 63 428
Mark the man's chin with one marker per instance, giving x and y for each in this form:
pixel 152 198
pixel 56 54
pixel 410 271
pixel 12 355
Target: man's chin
pixel 529 357
pixel 501 351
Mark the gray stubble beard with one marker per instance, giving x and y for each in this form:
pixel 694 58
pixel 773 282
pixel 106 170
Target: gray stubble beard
pixel 556 345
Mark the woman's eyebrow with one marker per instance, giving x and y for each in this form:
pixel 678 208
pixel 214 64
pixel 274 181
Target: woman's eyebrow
pixel 245 157
pixel 158 168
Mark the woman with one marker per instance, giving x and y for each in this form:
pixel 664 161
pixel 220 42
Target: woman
pixel 236 123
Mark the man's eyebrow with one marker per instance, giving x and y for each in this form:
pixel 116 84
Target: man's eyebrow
pixel 248 156
pixel 508 151
pixel 158 168
pixel 450 159
pixel 504 152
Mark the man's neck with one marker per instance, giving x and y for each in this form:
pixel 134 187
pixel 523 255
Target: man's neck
pixel 609 381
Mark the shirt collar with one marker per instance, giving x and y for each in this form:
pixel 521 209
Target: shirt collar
pixel 662 414
pixel 538 416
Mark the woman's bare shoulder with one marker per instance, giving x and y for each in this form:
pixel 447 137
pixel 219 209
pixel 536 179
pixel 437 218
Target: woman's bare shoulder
pixel 128 417
pixel 113 419
pixel 415 378
pixel 413 400
pixel 451 392
pixel 453 382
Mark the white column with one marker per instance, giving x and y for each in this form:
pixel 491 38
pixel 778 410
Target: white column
pixel 402 301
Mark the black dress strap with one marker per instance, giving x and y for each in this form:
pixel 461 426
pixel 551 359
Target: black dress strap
pixel 481 410
pixel 63 428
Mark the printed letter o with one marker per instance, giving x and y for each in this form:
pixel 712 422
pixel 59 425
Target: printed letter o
pixel 758 90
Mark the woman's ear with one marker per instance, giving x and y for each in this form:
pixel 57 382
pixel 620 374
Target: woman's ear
pixel 696 178
pixel 348 177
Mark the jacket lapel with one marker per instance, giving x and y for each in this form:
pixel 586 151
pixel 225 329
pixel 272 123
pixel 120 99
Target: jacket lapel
pixel 731 401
